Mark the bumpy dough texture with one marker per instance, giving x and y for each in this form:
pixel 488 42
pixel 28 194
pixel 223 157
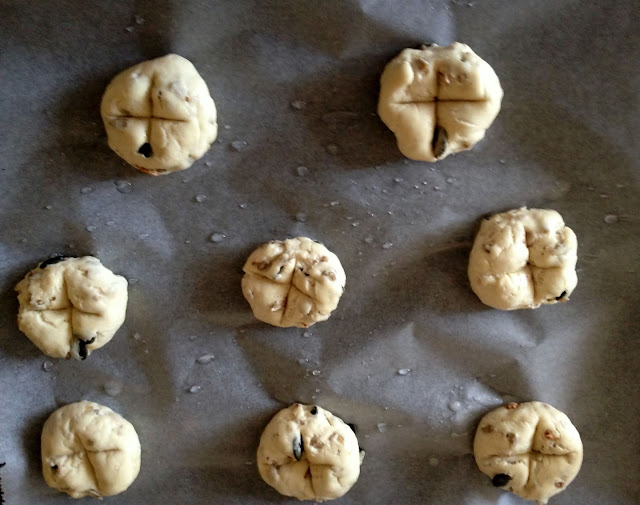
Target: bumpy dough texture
pixel 296 282
pixel 524 258
pixel 307 452
pixel 159 115
pixel 70 307
pixel 530 449
pixel 89 450
pixel 438 100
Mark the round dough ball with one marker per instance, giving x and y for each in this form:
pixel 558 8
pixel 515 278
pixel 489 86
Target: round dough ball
pixel 438 100
pixel 71 306
pixel 523 258
pixel 530 449
pixel 307 452
pixel 159 116
pixel 295 282
pixel 89 450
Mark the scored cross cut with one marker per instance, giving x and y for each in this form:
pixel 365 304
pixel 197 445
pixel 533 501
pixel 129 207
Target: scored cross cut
pixel 159 115
pixel 296 282
pixel 438 100
pixel 530 449
pixel 158 106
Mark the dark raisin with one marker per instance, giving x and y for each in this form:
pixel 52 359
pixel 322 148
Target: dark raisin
pixel 53 261
pixel 562 295
pixel 352 426
pixel 298 447
pixel 439 141
pixel 82 347
pixel 314 410
pixel 500 479
pixel 145 150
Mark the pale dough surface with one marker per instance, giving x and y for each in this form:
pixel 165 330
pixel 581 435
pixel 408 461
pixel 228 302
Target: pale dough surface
pixel 71 307
pixel 162 104
pixel 89 450
pixel 307 452
pixel 522 259
pixel 295 282
pixel 532 448
pixel 438 100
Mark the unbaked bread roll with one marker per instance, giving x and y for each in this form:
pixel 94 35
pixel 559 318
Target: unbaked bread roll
pixel 295 282
pixel 71 306
pixel 530 449
pixel 307 452
pixel 159 116
pixel 438 100
pixel 523 258
pixel 89 450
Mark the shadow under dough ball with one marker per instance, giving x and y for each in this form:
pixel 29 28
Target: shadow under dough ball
pixel 159 115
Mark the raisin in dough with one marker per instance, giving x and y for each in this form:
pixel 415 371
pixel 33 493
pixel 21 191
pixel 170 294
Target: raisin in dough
pixel 71 306
pixel 530 449
pixel 307 452
pixel 438 100
pixel 295 282
pixel 89 450
pixel 523 258
pixel 159 115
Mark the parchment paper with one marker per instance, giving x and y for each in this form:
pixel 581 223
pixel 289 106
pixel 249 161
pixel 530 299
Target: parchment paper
pixel 566 138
